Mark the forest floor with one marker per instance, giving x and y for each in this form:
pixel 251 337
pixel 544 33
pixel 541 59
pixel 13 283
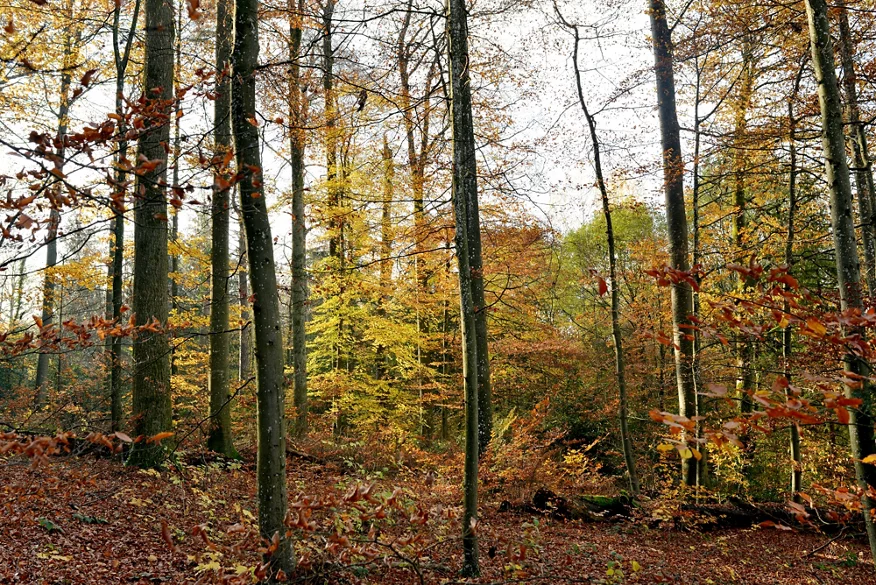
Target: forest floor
pixel 81 520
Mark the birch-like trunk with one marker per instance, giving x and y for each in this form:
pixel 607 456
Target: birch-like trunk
pixel 848 269
pixel 676 219
pixel 299 227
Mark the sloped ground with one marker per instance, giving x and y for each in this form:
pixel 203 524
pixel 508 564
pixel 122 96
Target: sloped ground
pixel 81 520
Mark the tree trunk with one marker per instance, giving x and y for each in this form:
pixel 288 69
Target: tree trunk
pixel 744 342
pixel 845 247
pixel 299 227
pixel 151 376
pixel 245 357
pixel 619 363
pixel 475 364
pixel 676 220
pixel 121 55
pixel 219 438
pixel 863 169
pixel 787 332
pixel 271 464
pixel 48 309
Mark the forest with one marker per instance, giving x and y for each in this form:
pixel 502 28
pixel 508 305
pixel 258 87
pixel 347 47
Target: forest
pixel 437 292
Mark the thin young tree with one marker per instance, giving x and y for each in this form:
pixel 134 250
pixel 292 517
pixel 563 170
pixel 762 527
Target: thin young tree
pixel 271 462
pixel 299 227
pixel 121 58
pixel 617 336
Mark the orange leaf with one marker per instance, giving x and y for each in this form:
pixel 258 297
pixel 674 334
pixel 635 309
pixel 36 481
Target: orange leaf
pixel 603 287
pixel 160 437
pixel 843 415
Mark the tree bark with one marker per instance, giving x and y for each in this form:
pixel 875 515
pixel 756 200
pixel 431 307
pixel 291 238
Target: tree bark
pixel 151 376
pixel 299 227
pixel 475 364
pixel 219 438
pixel 271 463
pixel 863 168
pixel 676 220
pixel 845 247
pixel 121 56
pixel 48 308
pixel 787 332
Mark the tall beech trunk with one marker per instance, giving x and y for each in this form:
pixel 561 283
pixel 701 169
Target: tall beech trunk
pixel 385 249
pixel 271 460
pixel 787 332
pixel 299 227
pixel 845 248
pixel 48 308
pixel 619 362
pixel 151 376
pixel 121 56
pixel 475 363
pixel 676 220
pixel 331 130
pixel 863 168
pixel 744 342
pixel 219 437
pixel 174 219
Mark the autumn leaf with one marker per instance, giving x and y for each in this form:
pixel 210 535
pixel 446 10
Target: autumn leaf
pixel 193 7
pixel 123 437
pixel 603 287
pixel 159 437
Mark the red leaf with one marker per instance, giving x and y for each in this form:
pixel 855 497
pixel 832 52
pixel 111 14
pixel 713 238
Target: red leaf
pixel 843 415
pixel 603 287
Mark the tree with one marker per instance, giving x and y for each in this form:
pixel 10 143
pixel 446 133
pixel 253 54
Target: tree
pixel 616 334
pixel 271 464
pixel 219 438
pixel 848 270
pixel 121 58
pixel 151 376
pixel 676 220
pixel 475 362
pixel 299 227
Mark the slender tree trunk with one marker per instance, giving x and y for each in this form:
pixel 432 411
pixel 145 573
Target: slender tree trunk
pixel 676 220
pixel 845 247
pixel 385 248
pixel 331 131
pixel 151 377
pixel 245 357
pixel 863 168
pixel 48 309
pixel 271 464
pixel 174 222
pixel 468 254
pixel 299 227
pixel 219 438
pixel 619 363
pixel 787 332
pixel 744 342
pixel 121 55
